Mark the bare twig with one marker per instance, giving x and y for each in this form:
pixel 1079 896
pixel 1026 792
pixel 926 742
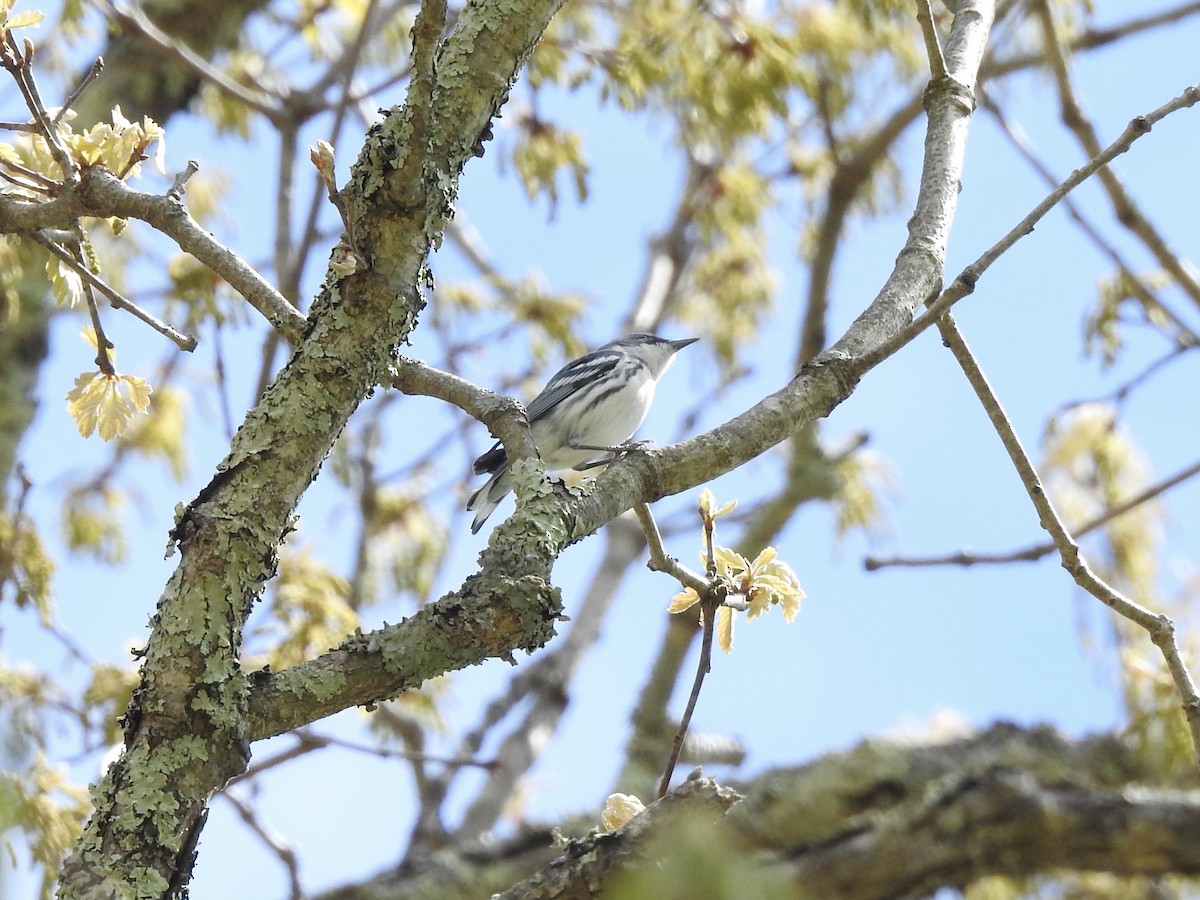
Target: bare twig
pixel 1122 393
pixel 964 284
pixel 274 842
pixel 710 602
pixel 933 44
pixel 1159 627
pixel 1037 551
pixel 659 560
pixel 103 344
pixel 106 195
pixel 91 75
pixel 1127 211
pixel 1136 283
pixel 42 182
pixel 118 300
pixel 19 64
pixel 179 182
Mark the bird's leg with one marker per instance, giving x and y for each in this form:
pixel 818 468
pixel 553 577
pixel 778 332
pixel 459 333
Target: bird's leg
pixel 614 453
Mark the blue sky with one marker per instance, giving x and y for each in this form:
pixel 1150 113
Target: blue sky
pixel 870 653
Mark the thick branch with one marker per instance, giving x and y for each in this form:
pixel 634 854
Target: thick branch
pixel 832 376
pixel 881 820
pixel 228 535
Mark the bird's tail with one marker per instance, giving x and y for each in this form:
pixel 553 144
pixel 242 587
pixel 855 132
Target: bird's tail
pixel 488 497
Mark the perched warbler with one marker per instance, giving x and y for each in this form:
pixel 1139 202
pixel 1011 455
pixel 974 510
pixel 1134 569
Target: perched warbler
pixel 586 413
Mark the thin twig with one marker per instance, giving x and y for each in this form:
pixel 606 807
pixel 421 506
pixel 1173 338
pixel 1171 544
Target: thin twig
pixel 182 341
pixel 659 560
pixel 964 284
pixel 43 183
pixel 179 182
pixel 276 844
pixel 933 45
pixel 709 606
pixel 91 75
pixel 1127 211
pixel 105 194
pixel 103 344
pixel 710 601
pixel 1037 551
pixel 18 63
pixel 1137 284
pixel 1122 393
pixel 1160 627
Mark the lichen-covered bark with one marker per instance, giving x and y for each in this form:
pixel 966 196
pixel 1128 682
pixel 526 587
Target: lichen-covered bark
pixel 882 820
pixel 186 730
pixel 547 519
pixel 190 722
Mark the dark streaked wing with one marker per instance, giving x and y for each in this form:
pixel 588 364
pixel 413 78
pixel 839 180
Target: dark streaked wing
pixel 491 460
pixel 571 378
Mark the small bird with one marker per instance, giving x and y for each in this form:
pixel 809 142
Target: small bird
pixel 586 413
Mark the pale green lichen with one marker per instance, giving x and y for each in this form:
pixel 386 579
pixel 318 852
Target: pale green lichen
pixel 321 685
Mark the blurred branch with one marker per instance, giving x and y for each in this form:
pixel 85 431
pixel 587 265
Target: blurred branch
pixel 849 176
pixel 881 820
pixel 547 683
pixel 1127 211
pixel 1121 393
pixel 596 859
pixel 273 842
pixel 1037 551
pixel 1159 627
pixel 1094 38
pixel 132 19
pixel 1135 282
pixel 670 251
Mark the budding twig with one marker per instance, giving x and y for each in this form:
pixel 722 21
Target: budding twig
pixel 712 596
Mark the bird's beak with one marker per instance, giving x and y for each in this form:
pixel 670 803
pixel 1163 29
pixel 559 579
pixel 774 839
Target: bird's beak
pixel 680 344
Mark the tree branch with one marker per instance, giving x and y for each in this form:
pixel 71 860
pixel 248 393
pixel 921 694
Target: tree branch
pixel 882 820
pixel 228 535
pixel 1037 551
pixel 1127 211
pixel 1159 627
pixel 964 284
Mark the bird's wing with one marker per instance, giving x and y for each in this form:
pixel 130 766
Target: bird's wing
pixel 570 378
